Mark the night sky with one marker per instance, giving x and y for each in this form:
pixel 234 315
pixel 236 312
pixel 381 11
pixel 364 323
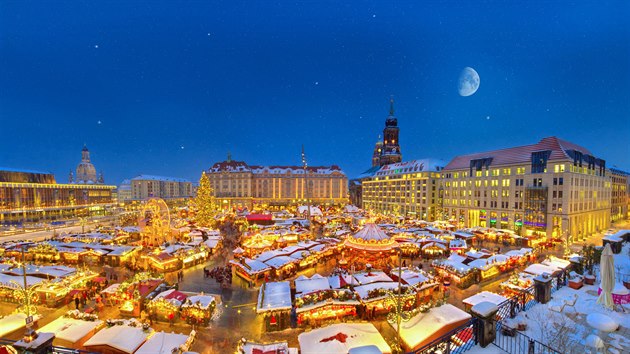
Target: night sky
pixel 169 88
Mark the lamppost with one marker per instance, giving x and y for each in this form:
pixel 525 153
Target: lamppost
pixel 83 222
pixel 27 292
pixel 399 314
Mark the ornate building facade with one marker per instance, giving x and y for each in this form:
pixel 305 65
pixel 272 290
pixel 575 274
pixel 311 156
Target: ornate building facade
pixel 552 188
pixel 86 172
pixel 239 185
pixel 620 194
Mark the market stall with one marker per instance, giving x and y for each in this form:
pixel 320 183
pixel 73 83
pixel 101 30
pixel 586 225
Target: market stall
pixel 274 304
pixel 198 309
pixel 73 329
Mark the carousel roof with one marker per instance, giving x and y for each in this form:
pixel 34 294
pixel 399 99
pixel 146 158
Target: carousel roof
pixel 371 238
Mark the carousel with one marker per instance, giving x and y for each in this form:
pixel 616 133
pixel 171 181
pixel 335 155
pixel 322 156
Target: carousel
pixel 370 245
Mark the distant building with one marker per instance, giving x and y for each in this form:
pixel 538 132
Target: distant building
pixel 240 185
pixel 405 188
pixel 620 195
pixel 147 186
pixel 390 148
pixel 29 196
pixel 124 191
pixel 553 188
pixel 86 172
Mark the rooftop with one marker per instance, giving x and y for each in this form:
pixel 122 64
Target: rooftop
pixel 158 178
pixel 520 154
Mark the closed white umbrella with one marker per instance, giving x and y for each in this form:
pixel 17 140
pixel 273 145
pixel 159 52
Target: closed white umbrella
pixel 607 273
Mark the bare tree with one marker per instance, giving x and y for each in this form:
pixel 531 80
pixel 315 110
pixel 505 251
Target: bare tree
pixel 553 329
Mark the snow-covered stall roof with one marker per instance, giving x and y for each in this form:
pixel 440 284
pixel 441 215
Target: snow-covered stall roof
pixel 70 329
pixel 371 277
pixel 364 290
pixel 121 337
pixel 484 296
pixel 556 262
pixel 280 261
pixel 341 338
pixel 162 343
pixel 203 300
pixel 424 327
pixel 410 276
pixel 274 296
pixel 315 283
pixel 12 323
pixel 538 269
pixel 335 281
pixel 463 234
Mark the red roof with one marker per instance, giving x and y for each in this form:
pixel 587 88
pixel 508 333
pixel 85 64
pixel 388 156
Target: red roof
pixel 519 154
pixel 177 295
pixel 253 217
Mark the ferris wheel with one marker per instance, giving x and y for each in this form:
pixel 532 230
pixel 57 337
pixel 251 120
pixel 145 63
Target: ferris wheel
pixel 155 222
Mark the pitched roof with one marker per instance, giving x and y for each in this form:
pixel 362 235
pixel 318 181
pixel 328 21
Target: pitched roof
pixel 519 154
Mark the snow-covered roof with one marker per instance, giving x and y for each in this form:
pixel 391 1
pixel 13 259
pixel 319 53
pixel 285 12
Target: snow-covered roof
pixel 280 261
pixel 305 286
pixel 371 277
pixel 556 262
pixel 159 178
pixel 121 337
pixel 70 329
pixel 484 296
pixel 274 296
pixel 356 335
pixel 538 269
pixel 425 326
pixel 411 276
pixel 421 165
pixel 203 300
pixel 13 322
pixel 162 343
pixel 363 290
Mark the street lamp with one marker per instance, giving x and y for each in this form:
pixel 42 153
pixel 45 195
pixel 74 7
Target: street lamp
pixel 27 293
pixel 397 299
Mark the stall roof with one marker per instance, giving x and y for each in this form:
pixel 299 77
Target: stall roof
pixel 371 277
pixel 484 296
pixel 423 326
pixel 410 276
pixel 121 337
pixel 162 343
pixel 538 269
pixel 274 296
pixel 280 261
pixel 556 262
pixel 305 286
pixel 363 290
pixel 70 329
pixel 203 300
pixel 341 338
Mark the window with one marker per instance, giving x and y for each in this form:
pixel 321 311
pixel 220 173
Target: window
pixel 560 181
pixel 520 170
pixel 555 181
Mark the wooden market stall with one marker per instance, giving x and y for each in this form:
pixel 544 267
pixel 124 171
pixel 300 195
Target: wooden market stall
pixel 274 304
pixel 73 329
pixel 423 328
pixel 342 339
pixel 198 309
pixel 118 339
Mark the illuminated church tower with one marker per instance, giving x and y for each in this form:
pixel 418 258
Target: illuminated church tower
pixel 390 153
pixel 86 173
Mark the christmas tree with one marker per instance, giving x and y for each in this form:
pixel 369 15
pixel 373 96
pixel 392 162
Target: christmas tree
pixel 204 203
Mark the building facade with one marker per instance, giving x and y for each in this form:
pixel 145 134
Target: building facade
pixel 405 188
pixel 620 195
pixel 124 191
pixel 239 185
pixel 33 196
pixel 168 188
pixel 553 188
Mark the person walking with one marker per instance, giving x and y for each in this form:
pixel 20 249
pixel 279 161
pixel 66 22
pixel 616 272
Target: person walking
pixel 76 301
pixel 171 318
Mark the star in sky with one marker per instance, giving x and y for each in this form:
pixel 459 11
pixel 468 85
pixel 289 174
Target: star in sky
pixel 96 46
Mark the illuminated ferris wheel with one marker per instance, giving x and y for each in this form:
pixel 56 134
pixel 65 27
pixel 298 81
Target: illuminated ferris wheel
pixel 155 222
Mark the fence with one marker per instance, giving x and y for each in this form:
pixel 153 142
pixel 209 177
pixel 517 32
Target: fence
pixel 464 338
pixel 456 341
pixel 515 342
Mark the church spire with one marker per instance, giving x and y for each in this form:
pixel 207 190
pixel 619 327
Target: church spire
pixel 229 157
pixel 391 105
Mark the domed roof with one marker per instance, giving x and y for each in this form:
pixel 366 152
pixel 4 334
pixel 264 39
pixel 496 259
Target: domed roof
pixel 371 238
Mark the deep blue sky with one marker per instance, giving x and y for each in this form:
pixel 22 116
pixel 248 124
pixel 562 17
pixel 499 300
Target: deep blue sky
pixel 261 79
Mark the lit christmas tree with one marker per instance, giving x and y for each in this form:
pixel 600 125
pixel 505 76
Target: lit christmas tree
pixel 204 203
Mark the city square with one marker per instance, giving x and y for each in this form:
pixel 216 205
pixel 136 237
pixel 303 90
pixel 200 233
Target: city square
pixel 208 179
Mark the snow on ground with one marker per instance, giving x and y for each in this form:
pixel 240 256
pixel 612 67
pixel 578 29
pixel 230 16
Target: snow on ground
pixel 543 320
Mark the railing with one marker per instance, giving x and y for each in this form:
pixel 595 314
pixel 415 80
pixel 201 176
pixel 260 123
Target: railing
pixel 515 342
pixel 456 341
